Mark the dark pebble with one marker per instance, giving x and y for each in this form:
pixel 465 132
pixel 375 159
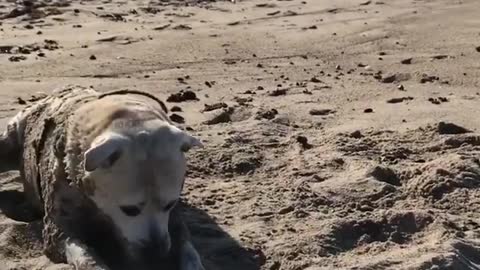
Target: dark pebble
pixel 182 96
pixel 303 141
pixel 176 109
pixel 407 61
pixel 450 128
pixel 177 118
pixel 385 174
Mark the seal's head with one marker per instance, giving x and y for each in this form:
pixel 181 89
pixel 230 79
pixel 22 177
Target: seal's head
pixel 138 173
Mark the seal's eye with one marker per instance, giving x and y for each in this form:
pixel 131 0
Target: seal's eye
pixel 170 205
pixel 131 210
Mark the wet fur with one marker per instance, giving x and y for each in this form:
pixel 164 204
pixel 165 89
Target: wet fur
pixel 46 142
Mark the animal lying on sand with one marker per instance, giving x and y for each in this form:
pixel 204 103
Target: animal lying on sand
pixel 106 171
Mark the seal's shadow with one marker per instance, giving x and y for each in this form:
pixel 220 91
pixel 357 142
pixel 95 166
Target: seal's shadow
pixel 218 249
pixel 13 205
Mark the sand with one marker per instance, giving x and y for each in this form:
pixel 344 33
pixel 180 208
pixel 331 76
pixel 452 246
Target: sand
pixel 339 134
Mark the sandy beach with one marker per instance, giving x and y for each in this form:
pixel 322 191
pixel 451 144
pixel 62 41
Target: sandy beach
pixel 338 134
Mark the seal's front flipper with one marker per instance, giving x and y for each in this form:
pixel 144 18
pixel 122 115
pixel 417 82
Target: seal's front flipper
pixel 78 255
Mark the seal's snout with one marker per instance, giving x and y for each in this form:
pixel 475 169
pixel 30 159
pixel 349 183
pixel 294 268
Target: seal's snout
pixel 158 246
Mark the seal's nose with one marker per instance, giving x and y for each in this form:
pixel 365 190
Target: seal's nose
pixel 158 245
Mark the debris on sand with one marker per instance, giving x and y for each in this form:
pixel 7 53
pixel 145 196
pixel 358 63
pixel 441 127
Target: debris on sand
pixel 182 96
pixel 307 92
pixel 21 101
pixel 234 23
pixel 150 10
pixel 407 61
pixel 37 96
pixel 321 111
pixel 214 106
pixel 35 9
pixel 115 17
pixel 357 134
pixel 428 78
pixel 209 84
pixel 286 210
pixel 162 27
pixel 177 118
pixel 290 13
pixel 230 62
pixel 176 109
pixel 182 27
pixel 450 128
pixel 122 40
pixel 384 174
pixel 438 101
pixel 399 100
pixel 266 5
pixel 48 44
pixel 440 57
pixel 278 92
pixel 266 114
pixel 225 116
pixel 316 80
pixel 243 101
pixel 312 27
pixel 6 49
pixel 303 141
pixel 399 77
pixel 273 13
pixel 368 110
pixel 16 58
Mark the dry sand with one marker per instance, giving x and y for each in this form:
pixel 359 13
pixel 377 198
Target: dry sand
pixel 328 124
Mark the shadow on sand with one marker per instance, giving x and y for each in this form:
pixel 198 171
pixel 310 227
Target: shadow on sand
pixel 14 206
pixel 218 249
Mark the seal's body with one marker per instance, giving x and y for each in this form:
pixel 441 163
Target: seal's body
pixel 106 171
